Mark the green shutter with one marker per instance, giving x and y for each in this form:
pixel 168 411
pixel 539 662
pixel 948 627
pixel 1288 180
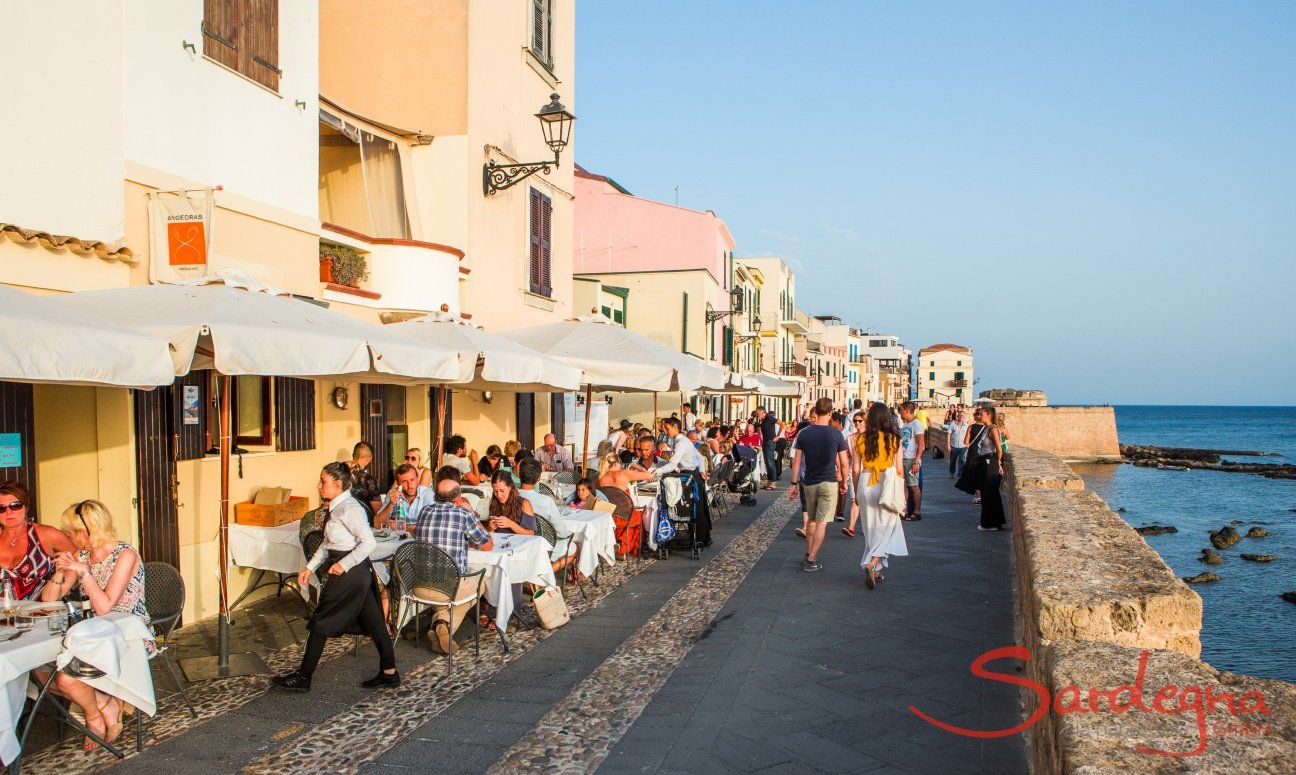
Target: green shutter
pixel 728 345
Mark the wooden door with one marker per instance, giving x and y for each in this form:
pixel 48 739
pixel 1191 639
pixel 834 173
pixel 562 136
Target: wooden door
pixel 526 420
pixel 557 420
pixel 17 416
pixel 155 465
pixel 373 430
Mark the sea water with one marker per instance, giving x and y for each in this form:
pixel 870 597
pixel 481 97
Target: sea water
pixel 1246 627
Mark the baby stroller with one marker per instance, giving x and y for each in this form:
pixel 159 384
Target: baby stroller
pixel 744 481
pixel 679 532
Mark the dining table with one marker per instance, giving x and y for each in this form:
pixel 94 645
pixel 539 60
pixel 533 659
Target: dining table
pixel 512 559
pixel 594 532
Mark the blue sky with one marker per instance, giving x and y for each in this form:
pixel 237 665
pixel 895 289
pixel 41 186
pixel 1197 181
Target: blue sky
pixel 1099 197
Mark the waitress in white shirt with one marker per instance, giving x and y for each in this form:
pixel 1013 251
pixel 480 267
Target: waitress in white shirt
pixel 348 599
pixel 686 459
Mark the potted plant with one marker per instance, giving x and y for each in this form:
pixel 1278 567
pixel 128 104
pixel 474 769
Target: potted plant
pixel 342 265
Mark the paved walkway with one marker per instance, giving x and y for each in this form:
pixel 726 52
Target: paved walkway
pixel 738 663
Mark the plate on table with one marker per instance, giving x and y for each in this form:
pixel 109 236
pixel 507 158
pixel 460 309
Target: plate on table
pixel 40 610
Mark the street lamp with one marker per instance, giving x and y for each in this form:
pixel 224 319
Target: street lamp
pixel 556 125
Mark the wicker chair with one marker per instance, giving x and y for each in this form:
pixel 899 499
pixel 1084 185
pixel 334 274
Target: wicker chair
pixel 714 488
pixel 419 564
pixel 545 489
pixel 565 477
pixel 164 596
pixel 550 533
pixel 724 474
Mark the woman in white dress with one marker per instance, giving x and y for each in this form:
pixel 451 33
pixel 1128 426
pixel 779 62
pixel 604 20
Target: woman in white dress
pixel 876 449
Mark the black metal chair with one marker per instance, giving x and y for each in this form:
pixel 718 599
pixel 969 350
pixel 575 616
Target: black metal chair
pixel 726 472
pixel 545 489
pixel 420 566
pixel 565 477
pixel 164 596
pixel 550 533
pixel 713 490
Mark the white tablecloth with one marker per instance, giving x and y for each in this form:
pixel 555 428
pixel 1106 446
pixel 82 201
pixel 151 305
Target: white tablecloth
pixel 649 505
pixel 513 560
pixel 17 659
pixel 564 490
pixel 595 533
pixel 114 643
pixel 275 549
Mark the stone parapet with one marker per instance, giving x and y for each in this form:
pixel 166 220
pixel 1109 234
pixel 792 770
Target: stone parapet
pixel 1093 596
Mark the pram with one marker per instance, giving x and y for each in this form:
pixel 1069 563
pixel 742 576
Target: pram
pixel 679 530
pixel 745 480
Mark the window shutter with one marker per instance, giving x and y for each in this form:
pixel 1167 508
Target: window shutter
pixel 728 345
pixel 546 245
pixel 534 247
pixel 294 402
pixel 259 58
pixel 220 31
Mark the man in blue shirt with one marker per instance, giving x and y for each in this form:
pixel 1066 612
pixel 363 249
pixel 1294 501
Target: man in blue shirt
pixel 452 529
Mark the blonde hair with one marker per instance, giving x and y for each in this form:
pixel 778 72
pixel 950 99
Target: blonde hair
pixel 606 462
pixel 604 448
pixel 725 448
pixel 92 518
pixel 511 448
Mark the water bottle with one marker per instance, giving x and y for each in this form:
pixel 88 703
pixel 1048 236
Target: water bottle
pixel 7 595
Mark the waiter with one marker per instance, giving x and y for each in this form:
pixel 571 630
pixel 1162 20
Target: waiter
pixel 686 459
pixel 348 598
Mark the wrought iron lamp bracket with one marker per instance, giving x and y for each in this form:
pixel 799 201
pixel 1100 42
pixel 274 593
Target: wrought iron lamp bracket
pixel 497 177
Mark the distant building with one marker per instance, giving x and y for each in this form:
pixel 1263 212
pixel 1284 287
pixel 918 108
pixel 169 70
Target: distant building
pixel 891 360
pixel 945 374
pixel 1011 397
pixel 782 327
pixel 828 351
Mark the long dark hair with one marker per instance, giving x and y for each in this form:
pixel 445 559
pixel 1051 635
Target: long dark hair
pixel 879 423
pixel 511 508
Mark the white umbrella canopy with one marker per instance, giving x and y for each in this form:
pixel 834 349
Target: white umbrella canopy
pixel 490 361
pixel 768 385
pixel 41 341
pixel 618 360
pixel 239 325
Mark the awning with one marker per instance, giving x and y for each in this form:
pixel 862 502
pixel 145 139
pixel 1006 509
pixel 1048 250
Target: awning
pixel 43 341
pixel 769 385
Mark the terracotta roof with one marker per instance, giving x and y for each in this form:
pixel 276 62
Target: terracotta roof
pixel 59 242
pixel 958 348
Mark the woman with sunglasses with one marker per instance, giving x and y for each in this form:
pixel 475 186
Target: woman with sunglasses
pixel 111 577
pixel 27 549
pixel 859 421
pixel 415 458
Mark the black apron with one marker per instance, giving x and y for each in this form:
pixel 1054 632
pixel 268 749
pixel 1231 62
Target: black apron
pixel 342 598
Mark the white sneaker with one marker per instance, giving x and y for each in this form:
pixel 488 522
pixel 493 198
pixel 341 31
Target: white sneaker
pixel 985 529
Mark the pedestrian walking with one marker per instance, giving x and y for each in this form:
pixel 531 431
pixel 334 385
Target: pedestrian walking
pixel 349 599
pixel 876 448
pixel 957 428
pixel 985 468
pixel 769 430
pixel 823 449
pixel 913 438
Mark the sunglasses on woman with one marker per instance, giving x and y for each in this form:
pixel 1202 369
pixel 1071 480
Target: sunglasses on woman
pixel 15 506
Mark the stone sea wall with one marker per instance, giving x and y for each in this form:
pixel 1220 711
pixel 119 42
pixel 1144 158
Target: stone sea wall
pixel 1074 433
pixel 1093 597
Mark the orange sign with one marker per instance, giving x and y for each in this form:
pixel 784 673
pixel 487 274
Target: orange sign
pixel 186 243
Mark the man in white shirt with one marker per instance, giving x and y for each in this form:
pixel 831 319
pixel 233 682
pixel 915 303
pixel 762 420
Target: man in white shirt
pixel 685 458
pixel 459 456
pixel 687 418
pixel 957 447
pixel 541 504
pixel 913 440
pixel 553 457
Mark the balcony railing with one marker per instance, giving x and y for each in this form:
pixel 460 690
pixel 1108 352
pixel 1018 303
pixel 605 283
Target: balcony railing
pixel 957 383
pixel 793 369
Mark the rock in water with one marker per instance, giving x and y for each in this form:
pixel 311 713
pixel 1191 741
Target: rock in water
pixel 1211 558
pixel 1290 597
pixel 1201 578
pixel 1260 557
pixel 1224 537
pixel 1257 532
pixel 1121 510
pixel 1156 530
pixel 1237 522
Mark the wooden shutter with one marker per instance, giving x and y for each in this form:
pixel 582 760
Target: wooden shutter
pixel 557 419
pixel 156 476
pixel 17 415
pixel 259 55
pixel 546 245
pixel 535 283
pixel 294 403
pixel 728 354
pixel 373 429
pixel 542 30
pixel 221 31
pixel 526 420
pixel 190 440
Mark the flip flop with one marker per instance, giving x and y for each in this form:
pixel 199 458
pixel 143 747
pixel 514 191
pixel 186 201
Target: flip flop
pixel 870 577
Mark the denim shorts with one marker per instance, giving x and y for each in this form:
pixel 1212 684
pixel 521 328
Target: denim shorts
pixel 911 479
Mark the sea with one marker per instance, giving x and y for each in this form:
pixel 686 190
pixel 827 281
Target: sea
pixel 1247 627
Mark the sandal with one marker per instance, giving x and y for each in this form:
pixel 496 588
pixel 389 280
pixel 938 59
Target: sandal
pixel 800 532
pixel 870 577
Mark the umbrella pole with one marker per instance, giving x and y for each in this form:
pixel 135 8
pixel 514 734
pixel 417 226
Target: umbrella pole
pixel 440 429
pixel 589 408
pixel 654 419
pixel 247 663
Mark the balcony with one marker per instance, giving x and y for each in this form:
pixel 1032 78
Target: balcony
pixel 956 383
pixel 794 325
pixel 404 274
pixel 793 369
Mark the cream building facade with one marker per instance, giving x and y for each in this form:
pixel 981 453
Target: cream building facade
pixel 295 117
pixel 945 374
pixel 780 326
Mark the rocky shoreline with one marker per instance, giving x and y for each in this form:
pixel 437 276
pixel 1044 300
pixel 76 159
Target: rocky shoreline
pixel 1205 459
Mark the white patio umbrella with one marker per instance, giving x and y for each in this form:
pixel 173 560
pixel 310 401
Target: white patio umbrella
pixel 43 342
pixel 618 360
pixel 237 325
pixel 769 385
pixel 488 361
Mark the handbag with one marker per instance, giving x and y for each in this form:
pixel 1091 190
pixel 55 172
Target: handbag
pixel 970 480
pixel 893 492
pixel 550 607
